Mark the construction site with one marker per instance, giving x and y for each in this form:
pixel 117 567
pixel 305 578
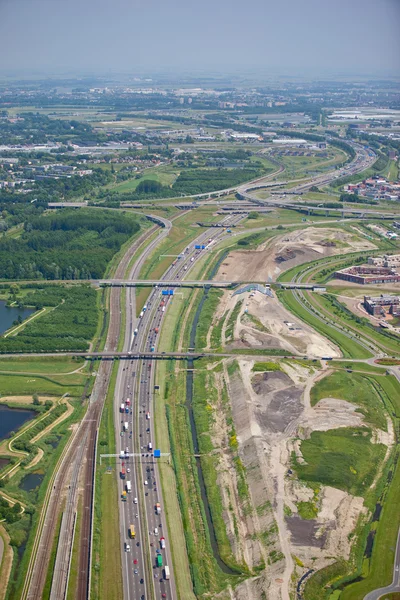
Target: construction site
pixel 289 250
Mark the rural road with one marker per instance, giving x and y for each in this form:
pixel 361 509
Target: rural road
pixel 395 585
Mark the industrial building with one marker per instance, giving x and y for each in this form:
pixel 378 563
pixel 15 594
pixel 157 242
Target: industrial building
pixel 368 274
pixel 378 306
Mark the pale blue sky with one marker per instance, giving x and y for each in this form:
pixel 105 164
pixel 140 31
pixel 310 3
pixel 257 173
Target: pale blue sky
pixel 358 36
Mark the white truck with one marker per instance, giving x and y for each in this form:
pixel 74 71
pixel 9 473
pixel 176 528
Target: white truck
pixel 128 487
pixel 166 572
pixel 126 426
pixel 150 446
pixel 122 408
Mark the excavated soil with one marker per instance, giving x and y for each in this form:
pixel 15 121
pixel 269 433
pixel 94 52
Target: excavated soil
pixel 272 413
pixel 283 331
pixel 287 251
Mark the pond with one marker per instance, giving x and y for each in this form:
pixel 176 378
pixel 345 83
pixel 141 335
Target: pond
pixel 31 481
pixel 8 314
pixel 11 419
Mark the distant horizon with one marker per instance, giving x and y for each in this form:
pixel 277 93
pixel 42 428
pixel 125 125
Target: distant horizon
pixel 311 37
pixel 268 75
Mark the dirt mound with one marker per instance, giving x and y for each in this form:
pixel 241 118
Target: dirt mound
pixel 307 532
pixel 264 383
pixel 279 408
pixel 287 251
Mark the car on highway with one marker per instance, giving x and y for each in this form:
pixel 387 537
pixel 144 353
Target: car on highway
pixel 127 547
pixel 146 482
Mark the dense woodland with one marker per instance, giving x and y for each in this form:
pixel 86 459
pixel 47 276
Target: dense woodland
pixel 66 245
pixel 68 327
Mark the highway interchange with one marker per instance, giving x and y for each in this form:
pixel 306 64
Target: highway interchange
pixel 135 380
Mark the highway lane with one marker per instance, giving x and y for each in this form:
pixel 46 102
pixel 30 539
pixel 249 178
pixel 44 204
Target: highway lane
pixel 136 381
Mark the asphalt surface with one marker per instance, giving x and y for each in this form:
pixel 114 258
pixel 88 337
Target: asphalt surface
pixel 395 585
pixel 141 577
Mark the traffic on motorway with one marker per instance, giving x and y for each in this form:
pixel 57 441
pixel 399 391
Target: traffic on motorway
pixel 145 541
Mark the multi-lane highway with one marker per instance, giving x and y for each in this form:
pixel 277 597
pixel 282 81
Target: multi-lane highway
pixel 138 477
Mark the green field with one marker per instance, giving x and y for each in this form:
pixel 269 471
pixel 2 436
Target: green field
pixel 342 458
pixel 43 365
pixel 25 385
pixel 164 175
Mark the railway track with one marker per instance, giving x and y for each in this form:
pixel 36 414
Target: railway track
pixel 86 435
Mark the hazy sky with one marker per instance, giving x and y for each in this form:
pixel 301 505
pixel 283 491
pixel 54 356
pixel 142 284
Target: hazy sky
pixel 358 36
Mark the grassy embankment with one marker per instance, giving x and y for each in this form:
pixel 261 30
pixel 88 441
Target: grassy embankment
pixel 329 306
pixel 340 458
pixel 106 565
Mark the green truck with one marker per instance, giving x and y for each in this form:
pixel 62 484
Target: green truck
pixel 159 560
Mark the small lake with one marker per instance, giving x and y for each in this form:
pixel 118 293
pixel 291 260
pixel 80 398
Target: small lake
pixel 11 419
pixel 31 481
pixel 8 314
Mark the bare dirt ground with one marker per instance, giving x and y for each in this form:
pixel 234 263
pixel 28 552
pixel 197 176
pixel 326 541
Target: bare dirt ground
pixel 287 251
pixel 273 327
pixel 272 413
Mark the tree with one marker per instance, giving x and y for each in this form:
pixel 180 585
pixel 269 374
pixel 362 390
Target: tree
pixel 35 400
pixel 253 214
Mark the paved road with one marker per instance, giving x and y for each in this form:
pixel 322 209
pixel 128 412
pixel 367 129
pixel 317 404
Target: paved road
pixel 395 585
pixel 135 434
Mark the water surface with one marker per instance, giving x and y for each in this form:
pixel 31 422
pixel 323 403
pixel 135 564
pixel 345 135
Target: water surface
pixel 9 314
pixel 11 419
